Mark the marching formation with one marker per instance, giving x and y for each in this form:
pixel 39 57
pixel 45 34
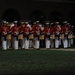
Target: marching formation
pixel 26 36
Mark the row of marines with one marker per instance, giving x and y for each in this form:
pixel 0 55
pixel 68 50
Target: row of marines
pixel 27 36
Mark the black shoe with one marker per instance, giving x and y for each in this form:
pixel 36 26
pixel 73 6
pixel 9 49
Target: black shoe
pixel 47 48
pixel 37 49
pixel 65 48
pixel 57 48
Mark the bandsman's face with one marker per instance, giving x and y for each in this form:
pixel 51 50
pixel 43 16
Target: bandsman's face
pixel 47 25
pixel 23 25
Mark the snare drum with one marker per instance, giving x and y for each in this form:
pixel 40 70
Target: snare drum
pixel 20 36
pixel 9 36
pixel 42 37
pixel 53 36
pixel 62 36
pixel 31 36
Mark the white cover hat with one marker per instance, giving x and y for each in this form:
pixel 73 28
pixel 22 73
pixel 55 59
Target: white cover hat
pixel 47 23
pixel 26 22
pixel 65 22
pixel 37 21
pixel 4 22
pixel 15 21
pixel 56 22
pixel 22 22
pixel 51 23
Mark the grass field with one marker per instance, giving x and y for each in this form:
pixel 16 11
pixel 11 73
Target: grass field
pixel 36 62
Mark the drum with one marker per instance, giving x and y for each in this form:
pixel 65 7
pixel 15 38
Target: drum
pixel 9 36
pixel 20 36
pixel 70 36
pixel 62 36
pixel 53 36
pixel 42 37
pixel 31 36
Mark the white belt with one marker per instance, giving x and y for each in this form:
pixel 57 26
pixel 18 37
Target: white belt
pixel 66 33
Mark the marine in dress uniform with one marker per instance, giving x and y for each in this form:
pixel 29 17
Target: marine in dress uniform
pixel 8 36
pixel 4 32
pixel 57 30
pixel 26 31
pixel 72 39
pixel 52 36
pixel 31 36
pixel 69 35
pixel 42 37
pixel 65 31
pixel 37 30
pixel 47 36
pixel 21 37
pixel 15 33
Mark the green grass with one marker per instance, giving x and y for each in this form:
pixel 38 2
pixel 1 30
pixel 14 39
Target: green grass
pixel 18 62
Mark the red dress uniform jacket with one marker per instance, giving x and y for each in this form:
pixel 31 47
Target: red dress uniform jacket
pixel 36 29
pixel 4 30
pixel 57 29
pixel 15 30
pixel 48 31
pixel 26 30
pixel 65 29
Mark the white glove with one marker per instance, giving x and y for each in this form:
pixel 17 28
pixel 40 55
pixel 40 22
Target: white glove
pixel 4 33
pixel 16 33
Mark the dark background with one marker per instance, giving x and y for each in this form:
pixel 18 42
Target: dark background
pixel 25 8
